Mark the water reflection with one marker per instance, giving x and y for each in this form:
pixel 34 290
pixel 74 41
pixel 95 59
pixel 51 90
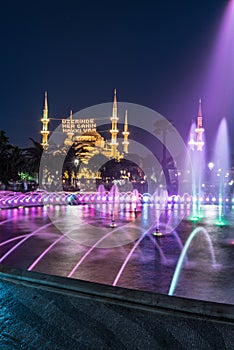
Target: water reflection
pixel 130 255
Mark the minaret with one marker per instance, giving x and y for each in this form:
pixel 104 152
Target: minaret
pixel 199 129
pixel 45 121
pixel 125 133
pixel 68 141
pixel 114 131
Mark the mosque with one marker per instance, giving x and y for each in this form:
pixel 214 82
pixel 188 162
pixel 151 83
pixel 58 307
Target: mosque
pixel 84 131
pixel 86 142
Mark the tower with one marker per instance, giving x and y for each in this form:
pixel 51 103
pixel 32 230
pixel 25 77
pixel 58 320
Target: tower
pixel 125 133
pixel 199 129
pixel 196 136
pixel 114 131
pixel 45 121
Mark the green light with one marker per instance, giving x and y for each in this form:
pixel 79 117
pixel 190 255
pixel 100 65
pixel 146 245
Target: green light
pixel 25 176
pixel 220 223
pixel 157 234
pixel 195 218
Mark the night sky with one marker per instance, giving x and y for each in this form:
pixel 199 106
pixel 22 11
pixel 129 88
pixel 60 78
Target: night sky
pixel 155 55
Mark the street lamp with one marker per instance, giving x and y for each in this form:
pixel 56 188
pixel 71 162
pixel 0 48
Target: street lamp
pixel 76 163
pixel 211 166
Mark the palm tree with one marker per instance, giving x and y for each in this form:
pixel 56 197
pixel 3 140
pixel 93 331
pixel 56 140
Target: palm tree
pixel 53 160
pixel 5 148
pixel 33 156
pixel 17 163
pixel 163 127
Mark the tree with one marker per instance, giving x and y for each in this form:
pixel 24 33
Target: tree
pixel 163 127
pixel 16 163
pixel 5 148
pixel 33 156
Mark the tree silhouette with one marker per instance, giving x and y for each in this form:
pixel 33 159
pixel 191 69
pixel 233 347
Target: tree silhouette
pixel 5 160
pixel 33 157
pixel 163 127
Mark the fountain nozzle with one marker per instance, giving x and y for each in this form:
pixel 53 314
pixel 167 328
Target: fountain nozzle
pixel 113 224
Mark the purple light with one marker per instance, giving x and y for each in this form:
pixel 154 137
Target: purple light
pixel 31 267
pixel 220 78
pixel 89 251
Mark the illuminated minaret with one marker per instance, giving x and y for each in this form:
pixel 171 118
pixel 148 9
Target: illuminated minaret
pixel 199 129
pixel 114 131
pixel 125 133
pixel 68 141
pixel 45 121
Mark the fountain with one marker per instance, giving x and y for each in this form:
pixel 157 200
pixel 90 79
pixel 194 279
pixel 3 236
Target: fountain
pixel 145 235
pixel 221 169
pixel 183 256
pixel 84 261
pixel 101 193
pixel 113 197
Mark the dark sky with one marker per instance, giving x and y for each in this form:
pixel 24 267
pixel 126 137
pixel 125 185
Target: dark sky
pixel 154 53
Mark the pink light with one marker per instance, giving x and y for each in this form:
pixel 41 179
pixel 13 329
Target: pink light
pixel 23 240
pixel 89 251
pixel 3 222
pixel 12 239
pixel 126 260
pixel 44 253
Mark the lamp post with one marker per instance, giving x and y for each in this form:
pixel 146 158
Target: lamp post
pixel 76 163
pixel 210 179
pixel 211 165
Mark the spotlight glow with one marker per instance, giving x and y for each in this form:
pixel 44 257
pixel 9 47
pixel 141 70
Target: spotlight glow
pixel 220 77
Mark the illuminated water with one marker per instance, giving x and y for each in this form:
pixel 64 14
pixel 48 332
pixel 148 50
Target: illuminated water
pixel 131 255
pixel 221 167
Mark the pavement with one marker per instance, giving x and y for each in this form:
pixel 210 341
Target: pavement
pixel 39 311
